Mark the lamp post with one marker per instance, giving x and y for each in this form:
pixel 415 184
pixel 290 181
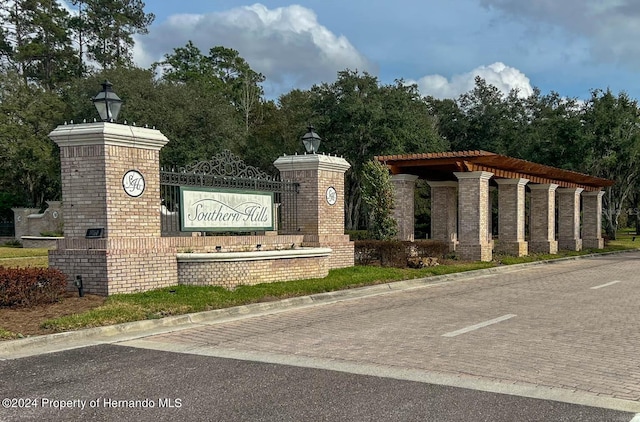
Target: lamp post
pixel 311 140
pixel 107 103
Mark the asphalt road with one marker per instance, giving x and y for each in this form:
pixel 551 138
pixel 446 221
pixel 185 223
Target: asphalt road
pixel 202 388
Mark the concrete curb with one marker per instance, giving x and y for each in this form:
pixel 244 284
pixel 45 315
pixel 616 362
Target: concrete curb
pixel 138 329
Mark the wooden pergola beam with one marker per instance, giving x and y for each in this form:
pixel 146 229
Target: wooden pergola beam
pixel 500 165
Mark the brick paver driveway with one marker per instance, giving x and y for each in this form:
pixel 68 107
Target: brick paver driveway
pixel 572 327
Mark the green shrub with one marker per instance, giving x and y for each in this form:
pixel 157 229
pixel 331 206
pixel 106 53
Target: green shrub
pixel 13 243
pixel 378 194
pixel 30 286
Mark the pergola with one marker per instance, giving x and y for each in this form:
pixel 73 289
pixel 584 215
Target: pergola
pixel 460 205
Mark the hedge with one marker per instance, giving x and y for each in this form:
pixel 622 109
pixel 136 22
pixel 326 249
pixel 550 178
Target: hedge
pixel 395 253
pixel 24 287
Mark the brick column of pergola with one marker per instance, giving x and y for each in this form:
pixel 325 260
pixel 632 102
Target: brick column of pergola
pixel 473 215
pixel 569 219
pixel 444 212
pixel 403 211
pixel 542 225
pixel 592 220
pixel 511 216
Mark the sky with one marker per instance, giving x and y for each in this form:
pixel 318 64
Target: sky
pixel 567 46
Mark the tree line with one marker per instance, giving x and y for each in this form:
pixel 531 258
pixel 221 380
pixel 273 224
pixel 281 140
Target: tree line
pixel 52 64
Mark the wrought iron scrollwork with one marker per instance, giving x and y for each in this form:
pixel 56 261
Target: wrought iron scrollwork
pixel 226 164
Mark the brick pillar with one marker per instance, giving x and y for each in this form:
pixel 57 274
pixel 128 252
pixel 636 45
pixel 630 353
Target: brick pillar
pixel 542 224
pixel 320 202
pixel 592 220
pixel 511 216
pixel 111 181
pixel 404 209
pixel 96 162
pixel 569 219
pixel 444 212
pixel 473 215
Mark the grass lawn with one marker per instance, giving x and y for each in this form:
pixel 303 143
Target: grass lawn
pixel 626 239
pixel 179 300
pixel 187 299
pixel 21 257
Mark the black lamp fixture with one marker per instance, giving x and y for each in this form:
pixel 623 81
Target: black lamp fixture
pixel 107 103
pixel 311 140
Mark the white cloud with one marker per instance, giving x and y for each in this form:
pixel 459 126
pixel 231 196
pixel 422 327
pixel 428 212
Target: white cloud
pixel 503 77
pixel 287 44
pixel 611 26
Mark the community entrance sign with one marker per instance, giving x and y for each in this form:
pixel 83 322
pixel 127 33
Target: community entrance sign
pixel 130 200
pixel 225 210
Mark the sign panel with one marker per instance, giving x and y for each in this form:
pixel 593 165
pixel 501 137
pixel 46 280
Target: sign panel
pixel 205 209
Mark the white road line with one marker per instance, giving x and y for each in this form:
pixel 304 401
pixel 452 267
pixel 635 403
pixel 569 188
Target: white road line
pixel 605 285
pixel 476 326
pixel 636 418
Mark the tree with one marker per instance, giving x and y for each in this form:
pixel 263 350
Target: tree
pixel 554 134
pixel 612 126
pixel 362 118
pixel 36 42
pixel 200 124
pixel 29 160
pixel 280 129
pixel 242 83
pixel 106 28
pixel 224 70
pixel 198 121
pixel 378 195
pixel 487 117
pixel 450 121
pixel 186 64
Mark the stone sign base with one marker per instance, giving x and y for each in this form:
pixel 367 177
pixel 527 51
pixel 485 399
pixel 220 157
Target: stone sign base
pixel 233 269
pixel 128 265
